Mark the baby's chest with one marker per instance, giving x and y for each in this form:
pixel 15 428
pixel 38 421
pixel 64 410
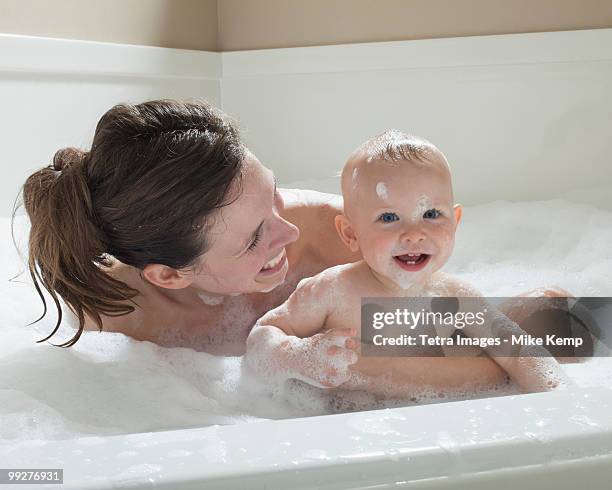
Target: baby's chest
pixel 348 313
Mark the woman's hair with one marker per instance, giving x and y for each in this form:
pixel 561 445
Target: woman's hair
pixel 145 193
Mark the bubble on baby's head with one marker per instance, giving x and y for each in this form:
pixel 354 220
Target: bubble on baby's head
pixel 381 191
pixel 423 204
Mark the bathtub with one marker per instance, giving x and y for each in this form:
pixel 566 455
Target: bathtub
pixel 546 440
pixel 549 440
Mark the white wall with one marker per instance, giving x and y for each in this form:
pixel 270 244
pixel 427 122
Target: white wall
pixel 520 117
pixel 52 93
pixel 524 116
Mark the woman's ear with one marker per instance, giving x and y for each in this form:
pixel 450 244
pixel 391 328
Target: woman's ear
pixel 165 277
pixel 347 232
pixel 458 209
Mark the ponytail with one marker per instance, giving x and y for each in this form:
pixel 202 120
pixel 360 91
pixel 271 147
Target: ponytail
pixel 66 248
pixel 145 194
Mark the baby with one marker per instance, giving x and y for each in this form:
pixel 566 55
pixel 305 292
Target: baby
pixel 399 213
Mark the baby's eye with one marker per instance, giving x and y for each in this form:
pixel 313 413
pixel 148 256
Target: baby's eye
pixel 432 213
pixel 388 217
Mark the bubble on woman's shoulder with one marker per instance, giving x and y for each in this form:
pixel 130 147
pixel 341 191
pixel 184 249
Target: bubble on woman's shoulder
pixel 211 299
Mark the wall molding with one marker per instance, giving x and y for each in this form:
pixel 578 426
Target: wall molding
pixel 507 49
pixel 548 90
pixel 53 92
pixel 27 54
pixel 51 55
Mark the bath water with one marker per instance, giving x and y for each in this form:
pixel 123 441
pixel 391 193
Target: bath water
pixel 110 384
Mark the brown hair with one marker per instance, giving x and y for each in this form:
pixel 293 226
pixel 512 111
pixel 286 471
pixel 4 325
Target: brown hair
pixel 145 193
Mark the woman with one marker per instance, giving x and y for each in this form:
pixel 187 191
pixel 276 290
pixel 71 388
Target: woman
pixel 170 230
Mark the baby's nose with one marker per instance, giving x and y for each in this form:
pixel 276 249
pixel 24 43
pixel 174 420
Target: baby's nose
pixel 413 234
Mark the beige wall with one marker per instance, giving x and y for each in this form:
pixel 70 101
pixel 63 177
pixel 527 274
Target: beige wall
pixel 256 24
pixel 186 24
pixel 228 25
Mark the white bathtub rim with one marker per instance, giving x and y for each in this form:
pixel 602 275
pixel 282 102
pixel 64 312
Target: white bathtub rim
pixel 235 454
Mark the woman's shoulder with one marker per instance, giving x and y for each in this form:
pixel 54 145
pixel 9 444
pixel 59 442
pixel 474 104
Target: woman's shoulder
pixel 308 196
pixel 314 213
pixel 305 208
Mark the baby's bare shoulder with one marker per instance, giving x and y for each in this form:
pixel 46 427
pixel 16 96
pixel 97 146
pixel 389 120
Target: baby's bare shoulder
pixel 335 278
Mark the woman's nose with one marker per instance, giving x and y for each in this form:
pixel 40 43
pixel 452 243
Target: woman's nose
pixel 285 233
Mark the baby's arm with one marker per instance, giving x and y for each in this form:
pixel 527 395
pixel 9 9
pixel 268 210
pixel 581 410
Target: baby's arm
pixel 286 343
pixel 535 369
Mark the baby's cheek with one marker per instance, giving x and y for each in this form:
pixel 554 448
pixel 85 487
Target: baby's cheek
pixel 374 245
pixel 446 240
pixel 376 253
pixel 382 243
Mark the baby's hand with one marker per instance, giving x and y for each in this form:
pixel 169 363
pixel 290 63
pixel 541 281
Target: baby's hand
pixel 323 359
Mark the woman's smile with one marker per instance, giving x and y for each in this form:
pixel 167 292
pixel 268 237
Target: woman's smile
pixel 274 265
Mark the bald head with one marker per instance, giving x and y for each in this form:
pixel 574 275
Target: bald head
pixel 392 147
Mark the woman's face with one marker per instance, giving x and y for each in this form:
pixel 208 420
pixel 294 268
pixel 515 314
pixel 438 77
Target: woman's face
pixel 248 238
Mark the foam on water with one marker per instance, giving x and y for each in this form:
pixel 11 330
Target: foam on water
pixel 111 384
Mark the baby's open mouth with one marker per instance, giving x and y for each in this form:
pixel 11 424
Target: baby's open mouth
pixel 412 258
pixel 412 262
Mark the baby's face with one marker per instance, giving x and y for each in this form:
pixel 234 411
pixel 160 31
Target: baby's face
pixel 403 218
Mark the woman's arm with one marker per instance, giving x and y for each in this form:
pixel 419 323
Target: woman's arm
pixel 533 368
pixel 406 377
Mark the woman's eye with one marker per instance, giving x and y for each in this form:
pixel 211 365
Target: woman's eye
pixel 255 241
pixel 432 213
pixel 388 217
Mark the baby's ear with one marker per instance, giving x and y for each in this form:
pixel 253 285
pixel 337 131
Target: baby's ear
pixel 346 232
pixel 458 209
